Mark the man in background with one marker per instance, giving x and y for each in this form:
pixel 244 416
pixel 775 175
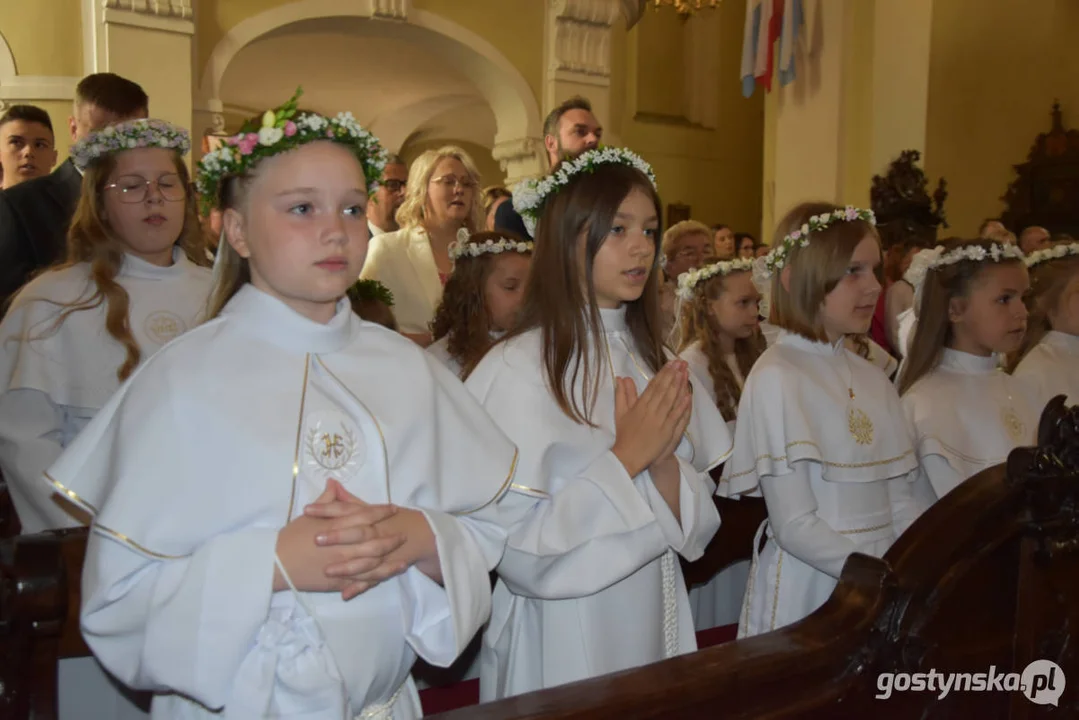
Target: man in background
pixel 569 130
pixel 383 205
pixel 27 145
pixel 35 215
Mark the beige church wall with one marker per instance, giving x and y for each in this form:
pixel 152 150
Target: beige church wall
pixel 490 172
pixel 996 68
pixel 715 170
pixel 513 27
pixel 44 39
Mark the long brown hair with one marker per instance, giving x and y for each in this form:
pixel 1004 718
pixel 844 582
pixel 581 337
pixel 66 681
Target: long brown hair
pixel 1048 280
pixel 91 240
pixel 566 314
pixel 462 314
pixel 231 272
pixel 934 328
pixel 815 269
pixel 699 323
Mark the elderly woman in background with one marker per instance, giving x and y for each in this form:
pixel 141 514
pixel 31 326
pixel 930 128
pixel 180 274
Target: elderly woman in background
pixel 442 197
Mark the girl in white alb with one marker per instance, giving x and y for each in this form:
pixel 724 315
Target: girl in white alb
pixel 967 413
pixel 76 332
pixel 720 339
pixel 820 431
pixel 615 449
pixel 481 298
pixel 1047 364
pixel 290 504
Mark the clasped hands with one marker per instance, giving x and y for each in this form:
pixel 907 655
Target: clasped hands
pixel 649 427
pixel 342 544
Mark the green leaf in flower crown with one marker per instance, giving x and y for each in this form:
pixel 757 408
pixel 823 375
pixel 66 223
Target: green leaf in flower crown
pixel 371 290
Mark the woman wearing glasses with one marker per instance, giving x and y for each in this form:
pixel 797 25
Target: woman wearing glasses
pixel 442 196
pixel 130 284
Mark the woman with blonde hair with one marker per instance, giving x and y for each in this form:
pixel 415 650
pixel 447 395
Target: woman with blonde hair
pixel 414 263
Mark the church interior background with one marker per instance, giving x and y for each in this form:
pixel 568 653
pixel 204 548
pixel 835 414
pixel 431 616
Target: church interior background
pixel 968 83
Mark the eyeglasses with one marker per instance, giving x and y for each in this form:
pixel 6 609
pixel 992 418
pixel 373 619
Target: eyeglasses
pixel 135 188
pixel 394 185
pixel 452 181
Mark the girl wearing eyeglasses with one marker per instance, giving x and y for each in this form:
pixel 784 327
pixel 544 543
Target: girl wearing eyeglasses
pixel 441 197
pixel 130 283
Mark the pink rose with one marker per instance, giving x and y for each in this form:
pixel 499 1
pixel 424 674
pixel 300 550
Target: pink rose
pixel 235 140
pixel 329 133
pixel 251 137
pixel 290 129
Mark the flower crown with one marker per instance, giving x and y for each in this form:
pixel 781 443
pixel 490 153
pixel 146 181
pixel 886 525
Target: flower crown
pixel 281 130
pixel 937 258
pixel 776 259
pixel 462 247
pixel 1052 253
pixel 529 196
pixel 128 136
pixel 689 280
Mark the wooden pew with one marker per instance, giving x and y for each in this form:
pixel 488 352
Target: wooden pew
pixel 989 576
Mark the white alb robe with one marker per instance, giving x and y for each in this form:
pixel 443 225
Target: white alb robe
pixel 1051 368
pixel 967 415
pixel 589 583
pixel 440 349
pixel 53 380
pixel 836 473
pixel 717 602
pixel 193 468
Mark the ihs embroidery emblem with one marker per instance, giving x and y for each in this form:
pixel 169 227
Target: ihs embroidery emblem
pixel 1015 427
pixel 860 426
pixel 333 447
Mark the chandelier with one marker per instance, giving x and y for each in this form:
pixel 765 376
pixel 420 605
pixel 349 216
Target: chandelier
pixel 687 7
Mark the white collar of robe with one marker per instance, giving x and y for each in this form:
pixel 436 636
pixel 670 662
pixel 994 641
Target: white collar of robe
pixel 613 319
pixel 137 267
pixel 812 346
pixel 967 363
pixel 271 320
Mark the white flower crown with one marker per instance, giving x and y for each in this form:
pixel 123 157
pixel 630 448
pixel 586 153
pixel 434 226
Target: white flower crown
pixel 777 258
pixel 689 280
pixel 1052 253
pixel 462 247
pixel 936 258
pixel 529 196
pixel 128 136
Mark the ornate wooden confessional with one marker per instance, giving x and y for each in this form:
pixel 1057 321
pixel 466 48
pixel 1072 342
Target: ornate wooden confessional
pixel 1045 191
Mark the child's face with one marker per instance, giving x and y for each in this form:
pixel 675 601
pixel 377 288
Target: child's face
pixel 505 288
pixel 849 308
pixel 27 151
pixel 736 310
pixel 1065 316
pixel 146 218
pixel 303 227
pixel 624 261
pixel 992 318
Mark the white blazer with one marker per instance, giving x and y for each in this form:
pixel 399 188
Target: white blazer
pixel 404 263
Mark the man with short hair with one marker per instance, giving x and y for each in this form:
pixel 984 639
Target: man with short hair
pixel 384 202
pixel 35 215
pixel 569 130
pixel 27 145
pixel 1034 238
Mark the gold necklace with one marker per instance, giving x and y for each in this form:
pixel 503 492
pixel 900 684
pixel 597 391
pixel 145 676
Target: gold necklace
pixel 859 423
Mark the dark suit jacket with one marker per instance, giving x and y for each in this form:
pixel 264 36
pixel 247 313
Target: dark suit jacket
pixel 506 218
pixel 34 217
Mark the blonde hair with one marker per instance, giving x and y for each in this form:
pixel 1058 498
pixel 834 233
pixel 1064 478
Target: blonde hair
pixel 698 322
pixel 91 240
pixel 934 329
pixel 680 230
pixel 413 210
pixel 815 269
pixel 1048 280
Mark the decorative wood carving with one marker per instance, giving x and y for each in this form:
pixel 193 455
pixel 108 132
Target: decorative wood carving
pixel 906 214
pixel 1045 190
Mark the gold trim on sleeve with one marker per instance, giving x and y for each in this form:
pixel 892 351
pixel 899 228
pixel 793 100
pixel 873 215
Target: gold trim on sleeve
pixel 134 545
pixel 501 490
pixel 526 489
pixel 70 494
